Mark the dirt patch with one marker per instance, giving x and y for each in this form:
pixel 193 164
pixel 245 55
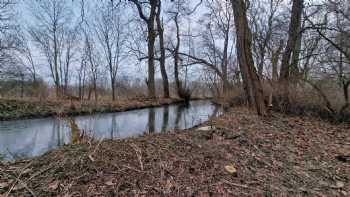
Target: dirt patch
pixel 276 156
pixel 20 109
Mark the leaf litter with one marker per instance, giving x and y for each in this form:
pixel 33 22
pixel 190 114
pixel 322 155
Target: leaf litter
pixel 241 155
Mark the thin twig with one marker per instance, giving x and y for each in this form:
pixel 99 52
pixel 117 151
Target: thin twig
pixel 26 186
pixel 138 154
pixel 235 184
pixel 18 178
pixel 93 152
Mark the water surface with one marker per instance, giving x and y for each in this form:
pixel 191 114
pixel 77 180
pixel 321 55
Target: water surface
pixel 33 137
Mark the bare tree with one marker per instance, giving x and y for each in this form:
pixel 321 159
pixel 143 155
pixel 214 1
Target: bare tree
pixel 250 77
pixel 176 12
pixel 214 56
pixel 293 35
pixel 70 50
pixel 263 29
pixel 82 74
pixel 93 59
pixel 52 21
pixel 160 28
pixel 8 34
pixel 151 38
pixel 330 49
pixel 220 17
pixel 111 36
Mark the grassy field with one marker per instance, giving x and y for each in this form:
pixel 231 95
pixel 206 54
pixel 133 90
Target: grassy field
pixel 237 154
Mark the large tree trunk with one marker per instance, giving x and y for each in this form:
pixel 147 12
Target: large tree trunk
pixel 295 72
pixel 244 41
pixel 294 30
pixel 261 62
pixel 160 28
pixel 224 65
pixel 151 34
pixel 151 69
pixel 177 58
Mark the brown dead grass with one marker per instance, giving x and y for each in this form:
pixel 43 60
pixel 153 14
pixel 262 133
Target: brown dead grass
pixel 26 108
pixel 276 156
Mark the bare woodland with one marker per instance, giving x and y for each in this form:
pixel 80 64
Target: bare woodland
pixel 199 98
pixel 283 55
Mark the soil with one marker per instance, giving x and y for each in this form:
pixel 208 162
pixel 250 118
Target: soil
pixel 21 109
pixel 237 154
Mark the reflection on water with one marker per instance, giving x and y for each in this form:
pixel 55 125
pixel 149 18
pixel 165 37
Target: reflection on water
pixel 28 138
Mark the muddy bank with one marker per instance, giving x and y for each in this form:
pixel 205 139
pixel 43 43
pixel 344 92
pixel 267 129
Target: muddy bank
pixel 239 154
pixel 21 109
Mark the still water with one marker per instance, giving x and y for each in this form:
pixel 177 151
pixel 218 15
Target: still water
pixel 33 137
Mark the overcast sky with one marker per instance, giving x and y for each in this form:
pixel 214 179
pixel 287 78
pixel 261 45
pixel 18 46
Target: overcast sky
pixel 131 68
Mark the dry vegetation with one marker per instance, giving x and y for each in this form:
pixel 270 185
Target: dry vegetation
pixel 276 156
pixel 283 59
pixel 16 109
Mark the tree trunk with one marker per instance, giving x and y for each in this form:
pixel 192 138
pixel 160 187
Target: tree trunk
pixel 160 28
pixel 151 35
pixel 151 69
pixel 295 71
pixel 261 62
pixel 274 61
pixel 224 65
pixel 244 41
pixel 294 30
pixel 113 88
pixel 79 88
pixel 95 91
pixel 177 58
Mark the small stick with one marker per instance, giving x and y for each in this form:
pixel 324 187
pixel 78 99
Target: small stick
pixel 138 154
pixel 235 184
pixel 93 152
pixel 17 178
pixel 26 186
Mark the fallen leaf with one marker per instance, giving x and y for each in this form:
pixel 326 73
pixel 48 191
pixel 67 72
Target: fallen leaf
pixel 338 185
pixel 4 185
pixel 205 128
pixel 231 169
pixel 27 171
pixel 54 185
pixel 18 186
pixel 110 182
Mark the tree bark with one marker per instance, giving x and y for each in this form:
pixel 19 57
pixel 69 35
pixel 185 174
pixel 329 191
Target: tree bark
pixel 151 35
pixel 293 32
pixel 224 65
pixel 177 58
pixel 244 41
pixel 160 29
pixel 151 69
pixel 274 61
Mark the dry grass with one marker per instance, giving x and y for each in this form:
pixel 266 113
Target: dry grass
pixel 28 108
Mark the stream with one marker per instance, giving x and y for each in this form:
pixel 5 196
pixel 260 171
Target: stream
pixel 22 139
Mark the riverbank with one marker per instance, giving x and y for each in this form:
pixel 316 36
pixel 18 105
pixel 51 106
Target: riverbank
pixel 22 109
pixel 237 154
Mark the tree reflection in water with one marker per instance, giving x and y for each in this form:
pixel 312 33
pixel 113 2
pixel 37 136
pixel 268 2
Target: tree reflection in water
pixel 179 111
pixel 151 120
pixel 165 119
